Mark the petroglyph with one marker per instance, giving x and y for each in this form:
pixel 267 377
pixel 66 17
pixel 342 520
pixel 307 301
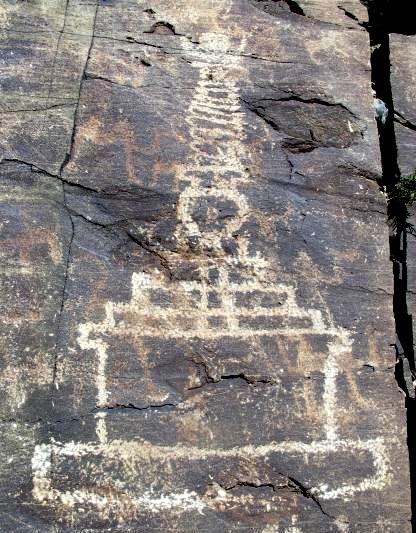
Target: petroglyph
pixel 234 289
pixel 213 176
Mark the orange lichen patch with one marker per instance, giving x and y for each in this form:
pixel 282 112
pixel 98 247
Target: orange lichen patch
pixel 349 255
pixel 310 401
pixel 97 132
pixel 26 246
pixel 356 396
pixel 304 264
pixel 161 167
pixel 378 355
pixel 309 360
pixel 92 129
pixel 118 64
pixel 124 130
pixel 19 380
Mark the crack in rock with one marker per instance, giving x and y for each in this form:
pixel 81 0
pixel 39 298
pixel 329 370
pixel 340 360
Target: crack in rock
pixel 279 7
pixel 308 123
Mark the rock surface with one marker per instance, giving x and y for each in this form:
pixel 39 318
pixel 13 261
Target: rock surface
pixel 403 78
pixel 197 293
pixel 403 61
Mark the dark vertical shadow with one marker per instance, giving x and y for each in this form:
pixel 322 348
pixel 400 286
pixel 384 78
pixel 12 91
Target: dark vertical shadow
pixel 385 17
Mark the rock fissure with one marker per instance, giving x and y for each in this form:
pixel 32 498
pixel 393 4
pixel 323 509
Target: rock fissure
pixel 78 417
pixel 292 97
pixel 39 109
pixel 307 493
pixel 277 7
pixel 251 380
pixel 69 154
pixel 164 263
pixel 290 484
pixel 383 19
pixel 164 27
pixel 179 50
pixel 64 294
pixel 58 43
pixel 398 117
pixel 350 15
pixel 251 484
pixel 307 123
pixel 132 192
pixel 295 7
pixel 206 377
pixel 120 406
pixel 61 170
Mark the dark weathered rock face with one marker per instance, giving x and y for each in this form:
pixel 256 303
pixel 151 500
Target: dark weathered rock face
pixel 197 305
pixel 403 75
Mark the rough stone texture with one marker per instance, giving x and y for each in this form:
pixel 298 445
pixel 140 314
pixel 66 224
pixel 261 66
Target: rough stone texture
pixel 403 79
pixel 403 75
pixel 196 311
